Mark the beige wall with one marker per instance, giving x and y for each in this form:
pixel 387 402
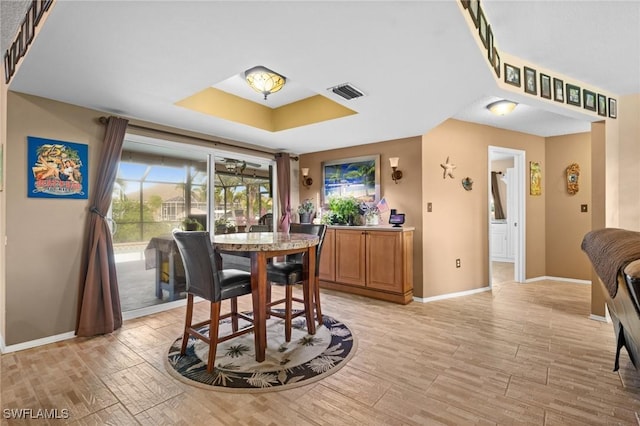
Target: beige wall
pixel 629 185
pixel 44 236
pixel 566 224
pixel 600 201
pixel 403 196
pixel 458 225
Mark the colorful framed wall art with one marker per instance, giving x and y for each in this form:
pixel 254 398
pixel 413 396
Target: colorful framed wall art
pixel 535 178
pixel 57 169
pixel 357 177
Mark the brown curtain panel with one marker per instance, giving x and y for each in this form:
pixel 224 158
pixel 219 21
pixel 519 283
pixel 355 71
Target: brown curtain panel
pixel 497 202
pixel 284 190
pixel 99 309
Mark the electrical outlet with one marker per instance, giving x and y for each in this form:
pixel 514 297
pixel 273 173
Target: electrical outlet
pixel 583 208
pixel 457 263
pixel 429 207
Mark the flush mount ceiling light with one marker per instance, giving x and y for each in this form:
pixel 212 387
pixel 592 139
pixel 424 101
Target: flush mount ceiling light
pixel 264 81
pixel 502 107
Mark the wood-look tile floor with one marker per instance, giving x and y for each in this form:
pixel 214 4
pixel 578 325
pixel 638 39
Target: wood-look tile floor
pixel 523 353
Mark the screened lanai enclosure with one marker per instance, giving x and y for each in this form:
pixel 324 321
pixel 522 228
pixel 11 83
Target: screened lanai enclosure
pixel 160 189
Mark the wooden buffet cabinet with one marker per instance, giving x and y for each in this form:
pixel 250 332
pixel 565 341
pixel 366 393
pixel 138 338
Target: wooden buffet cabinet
pixel 373 261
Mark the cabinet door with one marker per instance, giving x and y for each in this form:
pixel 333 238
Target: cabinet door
pixel 384 260
pixel 328 257
pixel 498 241
pixel 350 257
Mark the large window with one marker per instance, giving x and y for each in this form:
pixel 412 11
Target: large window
pixel 151 199
pixel 159 185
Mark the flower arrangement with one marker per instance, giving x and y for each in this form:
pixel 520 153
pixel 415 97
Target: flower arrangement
pixel 369 210
pixel 306 207
pixel 371 213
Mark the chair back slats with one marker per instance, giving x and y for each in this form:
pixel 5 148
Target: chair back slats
pixel 199 261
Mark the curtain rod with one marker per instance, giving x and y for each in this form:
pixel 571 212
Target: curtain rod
pixel 103 120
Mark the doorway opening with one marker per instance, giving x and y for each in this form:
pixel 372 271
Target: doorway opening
pixel 507 215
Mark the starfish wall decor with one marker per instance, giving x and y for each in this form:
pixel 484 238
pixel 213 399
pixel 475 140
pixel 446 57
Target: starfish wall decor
pixel 448 169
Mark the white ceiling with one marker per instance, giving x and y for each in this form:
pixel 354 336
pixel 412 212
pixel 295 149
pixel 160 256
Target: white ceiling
pixel 416 61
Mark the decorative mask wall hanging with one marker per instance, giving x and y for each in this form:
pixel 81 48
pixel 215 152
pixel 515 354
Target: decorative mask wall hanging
pixel 467 183
pixel 573 175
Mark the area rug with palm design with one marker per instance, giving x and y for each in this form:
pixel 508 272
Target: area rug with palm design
pixel 303 360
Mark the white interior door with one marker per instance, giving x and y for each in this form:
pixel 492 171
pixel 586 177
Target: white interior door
pixel 512 206
pixel 516 208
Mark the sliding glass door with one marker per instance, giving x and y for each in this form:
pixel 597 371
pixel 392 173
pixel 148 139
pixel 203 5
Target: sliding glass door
pixel 242 194
pixel 162 186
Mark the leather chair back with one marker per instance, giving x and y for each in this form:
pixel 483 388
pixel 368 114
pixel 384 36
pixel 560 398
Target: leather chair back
pixel 199 259
pixel 307 228
pixel 266 219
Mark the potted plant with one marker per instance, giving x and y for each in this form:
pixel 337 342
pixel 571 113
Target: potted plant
pixel 345 210
pixel 221 225
pixel 190 224
pixel 305 210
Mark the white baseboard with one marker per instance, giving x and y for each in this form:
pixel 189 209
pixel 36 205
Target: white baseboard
pixel 70 335
pixel 38 342
pixel 149 310
pixel 567 280
pixel 599 318
pixel 451 295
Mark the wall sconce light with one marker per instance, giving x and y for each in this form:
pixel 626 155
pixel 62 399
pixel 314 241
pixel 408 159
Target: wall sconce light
pixel 264 81
pixel 306 180
pixel 396 175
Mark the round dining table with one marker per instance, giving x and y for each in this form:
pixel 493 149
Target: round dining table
pixel 262 246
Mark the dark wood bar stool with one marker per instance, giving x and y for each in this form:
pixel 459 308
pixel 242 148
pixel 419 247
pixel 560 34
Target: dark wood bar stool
pixel 205 280
pixel 291 272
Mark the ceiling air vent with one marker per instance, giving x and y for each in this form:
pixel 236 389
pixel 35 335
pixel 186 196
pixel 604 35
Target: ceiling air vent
pixel 347 91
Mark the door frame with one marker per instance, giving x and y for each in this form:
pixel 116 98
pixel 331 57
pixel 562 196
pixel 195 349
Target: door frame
pixel 519 163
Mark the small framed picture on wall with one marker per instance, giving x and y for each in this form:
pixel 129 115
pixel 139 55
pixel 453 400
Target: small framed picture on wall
pixel 613 108
pixel 545 86
pixel 558 90
pixel 530 83
pixel 573 95
pixel 602 105
pixel 496 63
pixel 511 75
pixel 589 100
